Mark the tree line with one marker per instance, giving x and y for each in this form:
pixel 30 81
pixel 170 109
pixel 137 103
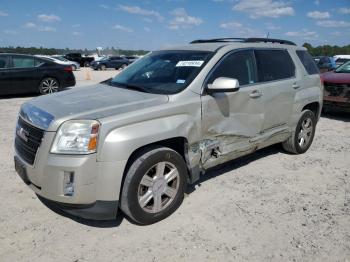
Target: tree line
pixel 327 50
pixel 57 51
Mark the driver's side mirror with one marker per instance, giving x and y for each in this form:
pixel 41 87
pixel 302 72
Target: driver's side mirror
pixel 223 84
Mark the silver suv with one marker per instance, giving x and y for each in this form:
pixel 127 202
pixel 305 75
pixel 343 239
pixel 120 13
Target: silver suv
pixel 135 141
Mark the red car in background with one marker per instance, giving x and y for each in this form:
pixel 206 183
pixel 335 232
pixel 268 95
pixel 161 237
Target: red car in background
pixel 337 88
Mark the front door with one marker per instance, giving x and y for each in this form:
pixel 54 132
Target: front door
pixel 24 73
pixel 5 76
pixel 231 120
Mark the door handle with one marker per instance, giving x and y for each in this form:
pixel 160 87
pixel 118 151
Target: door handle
pixel 255 94
pixel 295 86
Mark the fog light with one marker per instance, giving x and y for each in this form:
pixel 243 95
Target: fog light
pixel 68 183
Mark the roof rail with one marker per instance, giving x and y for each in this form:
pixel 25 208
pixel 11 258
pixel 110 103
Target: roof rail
pixel 216 40
pixel 269 40
pixel 244 40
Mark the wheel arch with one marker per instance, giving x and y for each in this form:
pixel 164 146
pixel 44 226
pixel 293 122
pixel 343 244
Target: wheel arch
pixel 178 144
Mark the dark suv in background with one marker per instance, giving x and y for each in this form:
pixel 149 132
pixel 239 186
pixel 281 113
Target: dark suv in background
pixel 82 60
pixel 116 62
pixel 26 74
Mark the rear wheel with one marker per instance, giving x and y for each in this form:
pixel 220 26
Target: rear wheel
pixel 49 85
pixel 103 67
pixel 154 185
pixel 86 64
pixel 302 137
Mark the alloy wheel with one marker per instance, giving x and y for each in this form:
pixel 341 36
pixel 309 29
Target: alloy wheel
pixel 158 187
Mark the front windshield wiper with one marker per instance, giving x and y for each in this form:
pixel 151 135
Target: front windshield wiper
pixel 127 86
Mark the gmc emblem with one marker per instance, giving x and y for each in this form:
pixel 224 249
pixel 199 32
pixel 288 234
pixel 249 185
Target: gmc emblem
pixel 23 134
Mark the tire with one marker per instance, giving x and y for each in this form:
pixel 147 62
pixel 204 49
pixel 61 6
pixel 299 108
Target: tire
pixel 86 64
pixel 301 139
pixel 49 85
pixel 154 185
pixel 103 67
pixel 123 66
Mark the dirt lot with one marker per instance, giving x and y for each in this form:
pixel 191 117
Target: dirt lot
pixel 269 206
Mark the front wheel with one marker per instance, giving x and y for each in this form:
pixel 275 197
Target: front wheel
pixel 86 64
pixel 302 137
pixel 48 85
pixel 154 185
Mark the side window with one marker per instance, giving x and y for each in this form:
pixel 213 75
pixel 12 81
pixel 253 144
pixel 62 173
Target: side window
pixel 4 62
pixel 239 65
pixel 38 62
pixel 22 62
pixel 274 65
pixel 308 62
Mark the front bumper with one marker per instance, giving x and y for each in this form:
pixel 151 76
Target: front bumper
pixel 96 184
pixel 99 210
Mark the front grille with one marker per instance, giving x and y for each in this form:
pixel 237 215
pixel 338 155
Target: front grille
pixel 333 89
pixel 27 141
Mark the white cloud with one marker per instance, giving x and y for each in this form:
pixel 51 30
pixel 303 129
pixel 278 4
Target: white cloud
pixel 318 15
pixel 123 28
pixel 46 29
pixel 270 26
pixel 333 23
pixel 317 2
pixel 77 33
pixel 139 11
pixel 104 6
pixel 344 10
pixel 231 25
pixel 29 25
pixel 304 34
pixel 264 8
pixel 240 30
pixel 183 20
pixel 10 32
pixel 49 18
pixel 2 13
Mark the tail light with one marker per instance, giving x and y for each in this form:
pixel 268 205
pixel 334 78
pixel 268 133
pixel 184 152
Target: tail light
pixel 68 69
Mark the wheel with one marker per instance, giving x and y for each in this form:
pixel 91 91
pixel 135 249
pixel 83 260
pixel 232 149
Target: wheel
pixel 154 185
pixel 74 68
pixel 123 66
pixel 103 67
pixel 86 64
pixel 302 137
pixel 49 85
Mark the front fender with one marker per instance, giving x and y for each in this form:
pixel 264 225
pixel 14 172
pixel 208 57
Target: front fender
pixel 121 142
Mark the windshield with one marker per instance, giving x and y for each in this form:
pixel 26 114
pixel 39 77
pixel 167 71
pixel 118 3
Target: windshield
pixel 345 68
pixel 163 72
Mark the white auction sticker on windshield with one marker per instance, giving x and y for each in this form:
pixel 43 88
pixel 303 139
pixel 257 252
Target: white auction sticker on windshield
pixel 197 63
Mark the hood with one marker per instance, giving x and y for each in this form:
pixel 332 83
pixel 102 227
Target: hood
pixel 339 78
pixel 92 102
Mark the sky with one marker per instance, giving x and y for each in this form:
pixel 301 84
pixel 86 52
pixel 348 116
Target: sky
pixel 153 24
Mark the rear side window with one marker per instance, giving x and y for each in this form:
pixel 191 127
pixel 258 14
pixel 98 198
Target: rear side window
pixel 274 65
pixel 307 61
pixel 22 62
pixel 239 65
pixel 3 62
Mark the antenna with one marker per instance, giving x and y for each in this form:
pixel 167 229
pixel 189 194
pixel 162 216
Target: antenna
pixel 267 35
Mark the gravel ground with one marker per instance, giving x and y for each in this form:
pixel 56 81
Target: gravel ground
pixel 269 206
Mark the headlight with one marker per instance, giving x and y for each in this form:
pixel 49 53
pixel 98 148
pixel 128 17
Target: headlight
pixel 76 137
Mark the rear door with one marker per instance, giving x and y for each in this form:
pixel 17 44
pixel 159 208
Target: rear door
pixel 278 84
pixel 24 74
pixel 5 76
